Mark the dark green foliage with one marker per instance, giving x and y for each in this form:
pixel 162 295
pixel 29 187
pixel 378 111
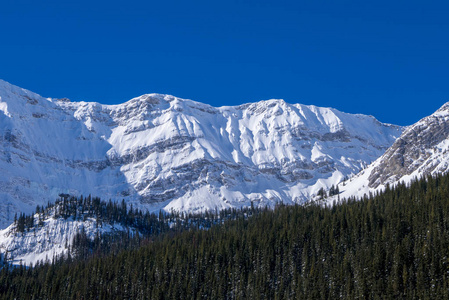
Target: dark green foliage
pixel 148 225
pixel 389 246
pixel 322 193
pixel 334 190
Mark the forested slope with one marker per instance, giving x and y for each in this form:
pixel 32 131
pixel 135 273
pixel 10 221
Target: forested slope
pixel 389 246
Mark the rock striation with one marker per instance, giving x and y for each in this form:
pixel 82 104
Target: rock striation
pixel 162 152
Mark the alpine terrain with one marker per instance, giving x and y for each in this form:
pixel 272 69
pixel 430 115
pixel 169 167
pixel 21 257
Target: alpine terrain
pixel 162 152
pixel 420 151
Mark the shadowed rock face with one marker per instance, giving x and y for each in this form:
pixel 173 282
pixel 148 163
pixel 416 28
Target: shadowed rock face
pixel 412 149
pixel 162 152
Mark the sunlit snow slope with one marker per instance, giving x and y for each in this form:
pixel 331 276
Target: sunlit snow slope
pixel 52 239
pixel 423 149
pixel 162 152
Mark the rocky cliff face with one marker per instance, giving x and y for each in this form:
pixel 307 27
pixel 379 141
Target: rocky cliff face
pixel 421 150
pixel 162 152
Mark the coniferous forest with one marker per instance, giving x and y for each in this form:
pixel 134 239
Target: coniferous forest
pixel 393 245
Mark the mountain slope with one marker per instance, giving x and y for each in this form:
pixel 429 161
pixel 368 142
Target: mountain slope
pixel 162 152
pixel 70 226
pixel 421 150
pixel 53 239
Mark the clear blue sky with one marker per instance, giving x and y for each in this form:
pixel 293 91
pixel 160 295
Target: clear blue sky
pixel 389 59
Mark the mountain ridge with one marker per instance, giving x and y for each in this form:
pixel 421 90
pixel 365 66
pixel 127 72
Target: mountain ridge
pixel 162 152
pixel 420 151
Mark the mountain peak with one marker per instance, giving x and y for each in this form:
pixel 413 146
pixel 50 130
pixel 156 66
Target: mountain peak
pixel 158 151
pixel 8 88
pixel 443 110
pixel 421 150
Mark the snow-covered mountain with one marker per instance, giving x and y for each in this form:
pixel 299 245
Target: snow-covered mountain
pixel 162 152
pixel 421 150
pixel 53 239
pixel 60 228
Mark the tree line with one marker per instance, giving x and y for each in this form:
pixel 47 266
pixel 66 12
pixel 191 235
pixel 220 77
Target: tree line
pixel 389 245
pixel 138 226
